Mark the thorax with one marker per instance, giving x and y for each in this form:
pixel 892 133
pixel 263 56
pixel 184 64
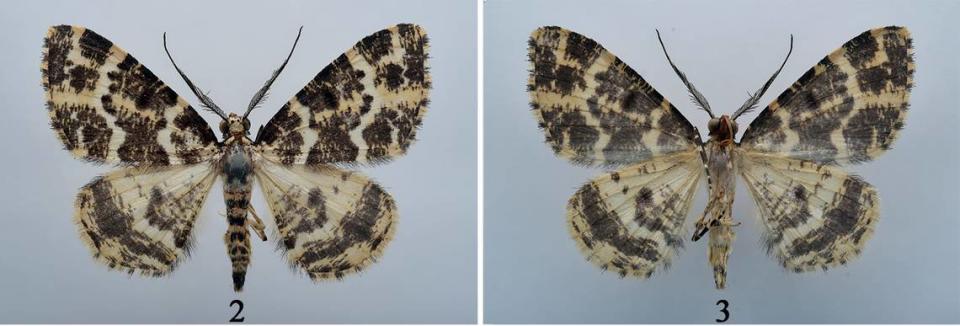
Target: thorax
pixel 721 165
pixel 237 166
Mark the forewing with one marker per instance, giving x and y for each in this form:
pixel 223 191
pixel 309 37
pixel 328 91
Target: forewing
pixel 632 220
pixel 596 110
pixel 846 109
pixel 815 216
pixel 140 219
pixel 108 108
pixel 331 222
pixel 365 107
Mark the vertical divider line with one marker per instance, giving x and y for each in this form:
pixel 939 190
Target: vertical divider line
pixel 480 162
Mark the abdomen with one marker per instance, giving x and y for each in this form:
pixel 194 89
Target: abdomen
pixel 237 183
pixel 722 168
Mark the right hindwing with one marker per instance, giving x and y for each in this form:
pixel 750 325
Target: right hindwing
pixel 330 222
pixel 596 110
pixel 815 216
pixel 632 220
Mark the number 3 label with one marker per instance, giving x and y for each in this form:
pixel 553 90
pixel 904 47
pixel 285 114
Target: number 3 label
pixel 726 314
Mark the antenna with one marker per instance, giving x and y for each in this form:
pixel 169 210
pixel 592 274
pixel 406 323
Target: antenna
pixel 205 100
pixel 751 102
pixel 695 95
pixel 262 93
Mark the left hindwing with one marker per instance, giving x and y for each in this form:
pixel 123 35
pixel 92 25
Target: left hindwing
pixel 365 107
pixel 631 221
pixel 140 219
pixel 331 222
pixel 815 216
pixel 846 109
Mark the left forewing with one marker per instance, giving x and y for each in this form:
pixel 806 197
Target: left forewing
pixel 330 222
pixel 815 216
pixel 106 107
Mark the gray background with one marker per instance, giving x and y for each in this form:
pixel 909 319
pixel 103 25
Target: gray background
pixel 909 271
pixel 428 272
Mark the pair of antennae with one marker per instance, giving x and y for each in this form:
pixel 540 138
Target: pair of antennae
pixel 205 100
pixel 697 98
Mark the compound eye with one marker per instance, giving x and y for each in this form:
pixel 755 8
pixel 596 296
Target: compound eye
pixel 713 125
pixel 246 124
pixel 224 128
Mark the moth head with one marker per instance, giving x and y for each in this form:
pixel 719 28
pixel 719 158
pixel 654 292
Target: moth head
pixel 235 126
pixel 722 128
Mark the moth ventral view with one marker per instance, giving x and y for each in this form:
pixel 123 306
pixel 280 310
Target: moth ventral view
pixel 597 111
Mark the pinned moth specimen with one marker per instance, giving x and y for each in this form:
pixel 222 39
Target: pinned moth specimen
pixel 362 109
pixel 597 111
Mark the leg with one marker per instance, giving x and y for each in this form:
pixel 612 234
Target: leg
pixel 256 224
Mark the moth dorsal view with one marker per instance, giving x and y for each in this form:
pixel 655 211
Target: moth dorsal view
pixel 597 111
pixel 362 109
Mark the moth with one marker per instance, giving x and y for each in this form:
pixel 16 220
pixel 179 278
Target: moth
pixel 362 109
pixel 597 111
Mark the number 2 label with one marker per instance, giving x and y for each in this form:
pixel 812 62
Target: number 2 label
pixel 236 318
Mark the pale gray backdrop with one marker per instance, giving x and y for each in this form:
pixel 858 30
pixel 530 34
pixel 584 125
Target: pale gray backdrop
pixel 909 271
pixel 428 272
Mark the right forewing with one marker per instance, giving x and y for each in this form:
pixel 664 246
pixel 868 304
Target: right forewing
pixel 363 108
pixel 848 108
pixel 596 110
pixel 632 220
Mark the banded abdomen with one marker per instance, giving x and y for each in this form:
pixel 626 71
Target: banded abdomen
pixel 237 173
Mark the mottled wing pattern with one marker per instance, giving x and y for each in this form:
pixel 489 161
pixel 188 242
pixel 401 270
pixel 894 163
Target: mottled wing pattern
pixel 816 216
pixel 331 222
pixel 108 108
pixel 632 220
pixel 846 109
pixel 365 107
pixel 140 219
pixel 596 110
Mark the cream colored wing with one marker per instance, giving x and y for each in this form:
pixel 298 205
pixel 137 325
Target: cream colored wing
pixel 106 107
pixel 632 220
pixel 330 222
pixel 365 107
pixel 596 110
pixel 140 219
pixel 815 216
pixel 846 109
